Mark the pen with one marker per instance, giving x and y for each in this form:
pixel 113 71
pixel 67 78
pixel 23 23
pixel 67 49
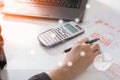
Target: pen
pixel 89 42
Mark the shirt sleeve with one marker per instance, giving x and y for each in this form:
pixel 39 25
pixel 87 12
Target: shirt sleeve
pixel 2 54
pixel 41 76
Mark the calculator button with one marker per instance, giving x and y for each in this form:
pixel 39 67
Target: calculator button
pixel 58 34
pixel 55 38
pixel 61 34
pixel 43 40
pixel 52 36
pixel 48 37
pixel 53 32
pixel 63 30
pixel 66 35
pixel 78 27
pixel 59 37
pixel 58 29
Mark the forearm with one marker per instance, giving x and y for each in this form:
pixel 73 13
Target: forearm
pixel 60 74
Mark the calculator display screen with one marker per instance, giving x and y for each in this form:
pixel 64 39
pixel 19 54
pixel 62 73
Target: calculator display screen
pixel 71 28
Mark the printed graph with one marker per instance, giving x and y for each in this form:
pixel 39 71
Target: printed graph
pixel 105 39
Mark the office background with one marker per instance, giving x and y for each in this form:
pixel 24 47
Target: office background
pixel 27 57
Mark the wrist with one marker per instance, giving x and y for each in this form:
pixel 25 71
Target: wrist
pixel 60 73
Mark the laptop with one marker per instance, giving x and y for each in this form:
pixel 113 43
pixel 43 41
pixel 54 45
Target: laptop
pixel 54 9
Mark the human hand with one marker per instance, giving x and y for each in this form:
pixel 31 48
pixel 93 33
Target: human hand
pixel 1 38
pixel 2 55
pixel 77 60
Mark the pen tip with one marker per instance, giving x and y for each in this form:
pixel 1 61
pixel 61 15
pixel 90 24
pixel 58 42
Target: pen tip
pixel 98 38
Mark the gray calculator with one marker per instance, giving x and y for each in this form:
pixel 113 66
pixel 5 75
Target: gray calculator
pixel 60 34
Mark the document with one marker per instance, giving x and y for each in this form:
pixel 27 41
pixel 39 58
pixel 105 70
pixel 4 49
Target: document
pixel 107 30
pixel 109 42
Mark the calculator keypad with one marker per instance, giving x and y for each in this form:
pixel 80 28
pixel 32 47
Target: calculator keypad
pixel 54 36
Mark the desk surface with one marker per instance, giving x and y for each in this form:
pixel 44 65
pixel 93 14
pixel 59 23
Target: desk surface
pixel 27 57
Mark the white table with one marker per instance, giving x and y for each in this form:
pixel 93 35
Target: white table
pixel 25 55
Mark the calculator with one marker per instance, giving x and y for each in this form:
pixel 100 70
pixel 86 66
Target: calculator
pixel 60 34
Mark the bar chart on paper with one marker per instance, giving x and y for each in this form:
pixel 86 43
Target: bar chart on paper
pixel 109 34
pixel 106 31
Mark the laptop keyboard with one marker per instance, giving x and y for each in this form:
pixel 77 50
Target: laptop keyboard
pixel 61 3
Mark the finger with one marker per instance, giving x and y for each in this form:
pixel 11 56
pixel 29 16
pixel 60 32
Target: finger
pixel 95 54
pixel 77 46
pixel 85 39
pixel 1 40
pixel 82 40
pixel 95 47
pixel 85 48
